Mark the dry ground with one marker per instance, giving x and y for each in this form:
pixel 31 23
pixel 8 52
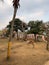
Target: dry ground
pixel 23 53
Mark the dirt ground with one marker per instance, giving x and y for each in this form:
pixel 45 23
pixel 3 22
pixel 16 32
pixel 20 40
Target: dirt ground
pixel 22 53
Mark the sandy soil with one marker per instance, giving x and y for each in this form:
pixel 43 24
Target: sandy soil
pixel 23 53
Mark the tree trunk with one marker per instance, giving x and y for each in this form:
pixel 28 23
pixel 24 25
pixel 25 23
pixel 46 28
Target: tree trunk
pixel 17 35
pixel 23 32
pixel 47 47
pixel 23 35
pixel 35 37
pixel 11 34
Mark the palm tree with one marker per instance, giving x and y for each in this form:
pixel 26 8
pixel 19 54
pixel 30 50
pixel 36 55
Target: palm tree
pixel 15 6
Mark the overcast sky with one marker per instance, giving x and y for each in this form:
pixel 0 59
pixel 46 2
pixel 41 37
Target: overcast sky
pixel 29 10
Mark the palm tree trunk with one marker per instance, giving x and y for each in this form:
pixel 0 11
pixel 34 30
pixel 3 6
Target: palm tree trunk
pixel 11 34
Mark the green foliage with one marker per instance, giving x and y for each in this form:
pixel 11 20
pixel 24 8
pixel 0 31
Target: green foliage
pixel 36 27
pixel 18 24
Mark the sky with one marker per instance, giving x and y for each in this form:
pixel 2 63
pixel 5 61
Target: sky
pixel 29 10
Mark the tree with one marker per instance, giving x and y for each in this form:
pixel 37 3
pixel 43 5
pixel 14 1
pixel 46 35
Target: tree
pixel 17 25
pixel 15 6
pixel 36 27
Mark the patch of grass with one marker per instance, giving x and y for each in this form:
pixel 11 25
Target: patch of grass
pixel 22 54
pixel 3 41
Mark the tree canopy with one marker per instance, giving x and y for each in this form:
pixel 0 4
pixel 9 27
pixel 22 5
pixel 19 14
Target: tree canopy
pixel 36 27
pixel 18 24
